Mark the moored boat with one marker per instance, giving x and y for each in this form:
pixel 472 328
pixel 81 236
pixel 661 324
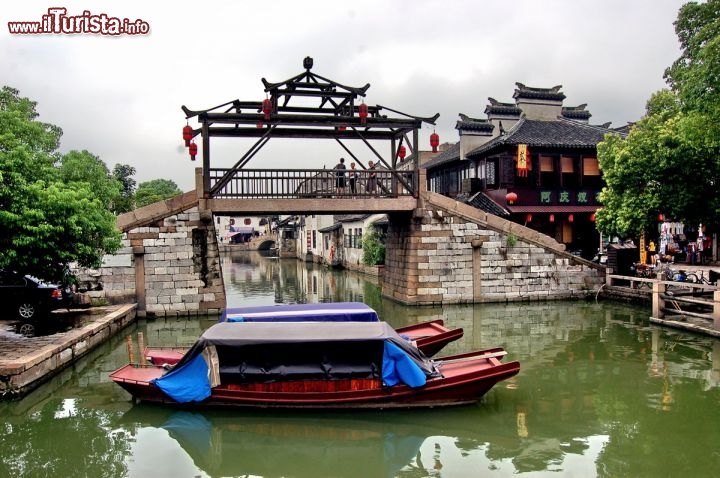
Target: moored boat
pixel 430 337
pixel 315 365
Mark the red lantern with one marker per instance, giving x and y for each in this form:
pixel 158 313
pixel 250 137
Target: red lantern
pixel 193 151
pixel 552 217
pixel 259 124
pixel 592 217
pixel 511 198
pixel 571 218
pixel 267 108
pixel 401 152
pixel 363 112
pixel 434 141
pixel 661 217
pixel 187 134
pixel 528 218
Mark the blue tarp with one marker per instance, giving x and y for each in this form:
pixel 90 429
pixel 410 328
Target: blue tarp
pixel 189 383
pixel 398 367
pixel 323 312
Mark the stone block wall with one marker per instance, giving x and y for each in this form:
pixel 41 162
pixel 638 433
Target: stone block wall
pixel 436 257
pixel 171 267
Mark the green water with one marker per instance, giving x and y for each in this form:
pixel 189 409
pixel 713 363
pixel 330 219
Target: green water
pixel 601 393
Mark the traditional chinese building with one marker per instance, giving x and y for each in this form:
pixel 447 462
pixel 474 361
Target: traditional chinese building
pixel 534 161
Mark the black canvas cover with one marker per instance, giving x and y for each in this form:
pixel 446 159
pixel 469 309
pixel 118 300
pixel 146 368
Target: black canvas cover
pixel 252 352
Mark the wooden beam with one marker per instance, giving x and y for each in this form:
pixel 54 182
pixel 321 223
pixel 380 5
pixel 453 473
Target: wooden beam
pixel 297 133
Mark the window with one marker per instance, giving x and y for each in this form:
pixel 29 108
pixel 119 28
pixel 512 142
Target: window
pixel 546 164
pixel 548 177
pixel 590 167
pixel 591 173
pixel 567 168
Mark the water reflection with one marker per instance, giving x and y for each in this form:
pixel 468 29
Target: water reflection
pixel 601 393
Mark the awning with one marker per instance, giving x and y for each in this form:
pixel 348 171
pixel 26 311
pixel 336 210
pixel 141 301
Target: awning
pixel 553 209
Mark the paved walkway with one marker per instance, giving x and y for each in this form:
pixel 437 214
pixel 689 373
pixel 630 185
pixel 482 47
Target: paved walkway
pixel 25 362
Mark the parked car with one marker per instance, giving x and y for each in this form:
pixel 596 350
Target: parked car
pixel 30 299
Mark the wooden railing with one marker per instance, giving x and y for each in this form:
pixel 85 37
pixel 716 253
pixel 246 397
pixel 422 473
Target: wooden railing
pixel 308 183
pixel 694 306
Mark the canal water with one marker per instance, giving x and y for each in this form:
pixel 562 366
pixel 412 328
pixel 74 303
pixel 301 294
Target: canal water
pixel 601 393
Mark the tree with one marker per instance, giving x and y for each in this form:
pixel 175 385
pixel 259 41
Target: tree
pixel 126 201
pixel 670 163
pixel 46 223
pixel 83 168
pixel 155 190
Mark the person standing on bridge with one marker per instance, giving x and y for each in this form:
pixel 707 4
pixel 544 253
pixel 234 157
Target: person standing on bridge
pixel 353 179
pixel 340 176
pixel 371 186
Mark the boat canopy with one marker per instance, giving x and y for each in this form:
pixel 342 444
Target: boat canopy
pixel 327 312
pixel 262 352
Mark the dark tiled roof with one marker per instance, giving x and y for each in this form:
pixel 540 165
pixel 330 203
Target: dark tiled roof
pixel 481 201
pixel 624 130
pixel 450 154
pixel 350 217
pixel 497 108
pixel 562 133
pixel 553 93
pixel 576 112
pixel 474 124
pixel 332 228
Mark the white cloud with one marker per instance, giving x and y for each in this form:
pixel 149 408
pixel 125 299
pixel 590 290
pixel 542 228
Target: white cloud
pixel 120 97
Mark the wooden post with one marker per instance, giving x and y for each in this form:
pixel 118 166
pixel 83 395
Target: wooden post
pixel 131 351
pixel 141 347
pixel 658 303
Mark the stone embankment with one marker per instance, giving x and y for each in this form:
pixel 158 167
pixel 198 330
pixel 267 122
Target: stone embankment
pixel 27 362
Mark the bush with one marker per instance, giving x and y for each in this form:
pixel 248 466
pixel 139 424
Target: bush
pixel 373 248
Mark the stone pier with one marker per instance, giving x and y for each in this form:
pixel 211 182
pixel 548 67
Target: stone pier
pixel 447 252
pixel 169 263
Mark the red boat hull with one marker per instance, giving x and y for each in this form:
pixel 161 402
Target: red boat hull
pixel 465 379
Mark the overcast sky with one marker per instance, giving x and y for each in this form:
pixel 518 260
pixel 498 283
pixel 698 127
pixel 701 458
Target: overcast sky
pixel 120 97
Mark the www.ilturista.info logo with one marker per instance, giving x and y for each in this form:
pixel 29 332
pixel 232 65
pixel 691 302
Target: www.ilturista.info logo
pixel 58 22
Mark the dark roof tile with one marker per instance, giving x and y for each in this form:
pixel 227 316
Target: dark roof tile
pixel 474 124
pixel 497 108
pixel 483 202
pixel 553 93
pixel 450 154
pixel 562 133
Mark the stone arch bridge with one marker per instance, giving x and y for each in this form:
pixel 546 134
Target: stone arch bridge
pixel 438 251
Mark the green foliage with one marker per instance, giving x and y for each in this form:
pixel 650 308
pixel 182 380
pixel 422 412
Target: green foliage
pixel 511 240
pixel 126 201
pixel 49 216
pixel 373 248
pixel 155 190
pixel 670 161
pixel 81 168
